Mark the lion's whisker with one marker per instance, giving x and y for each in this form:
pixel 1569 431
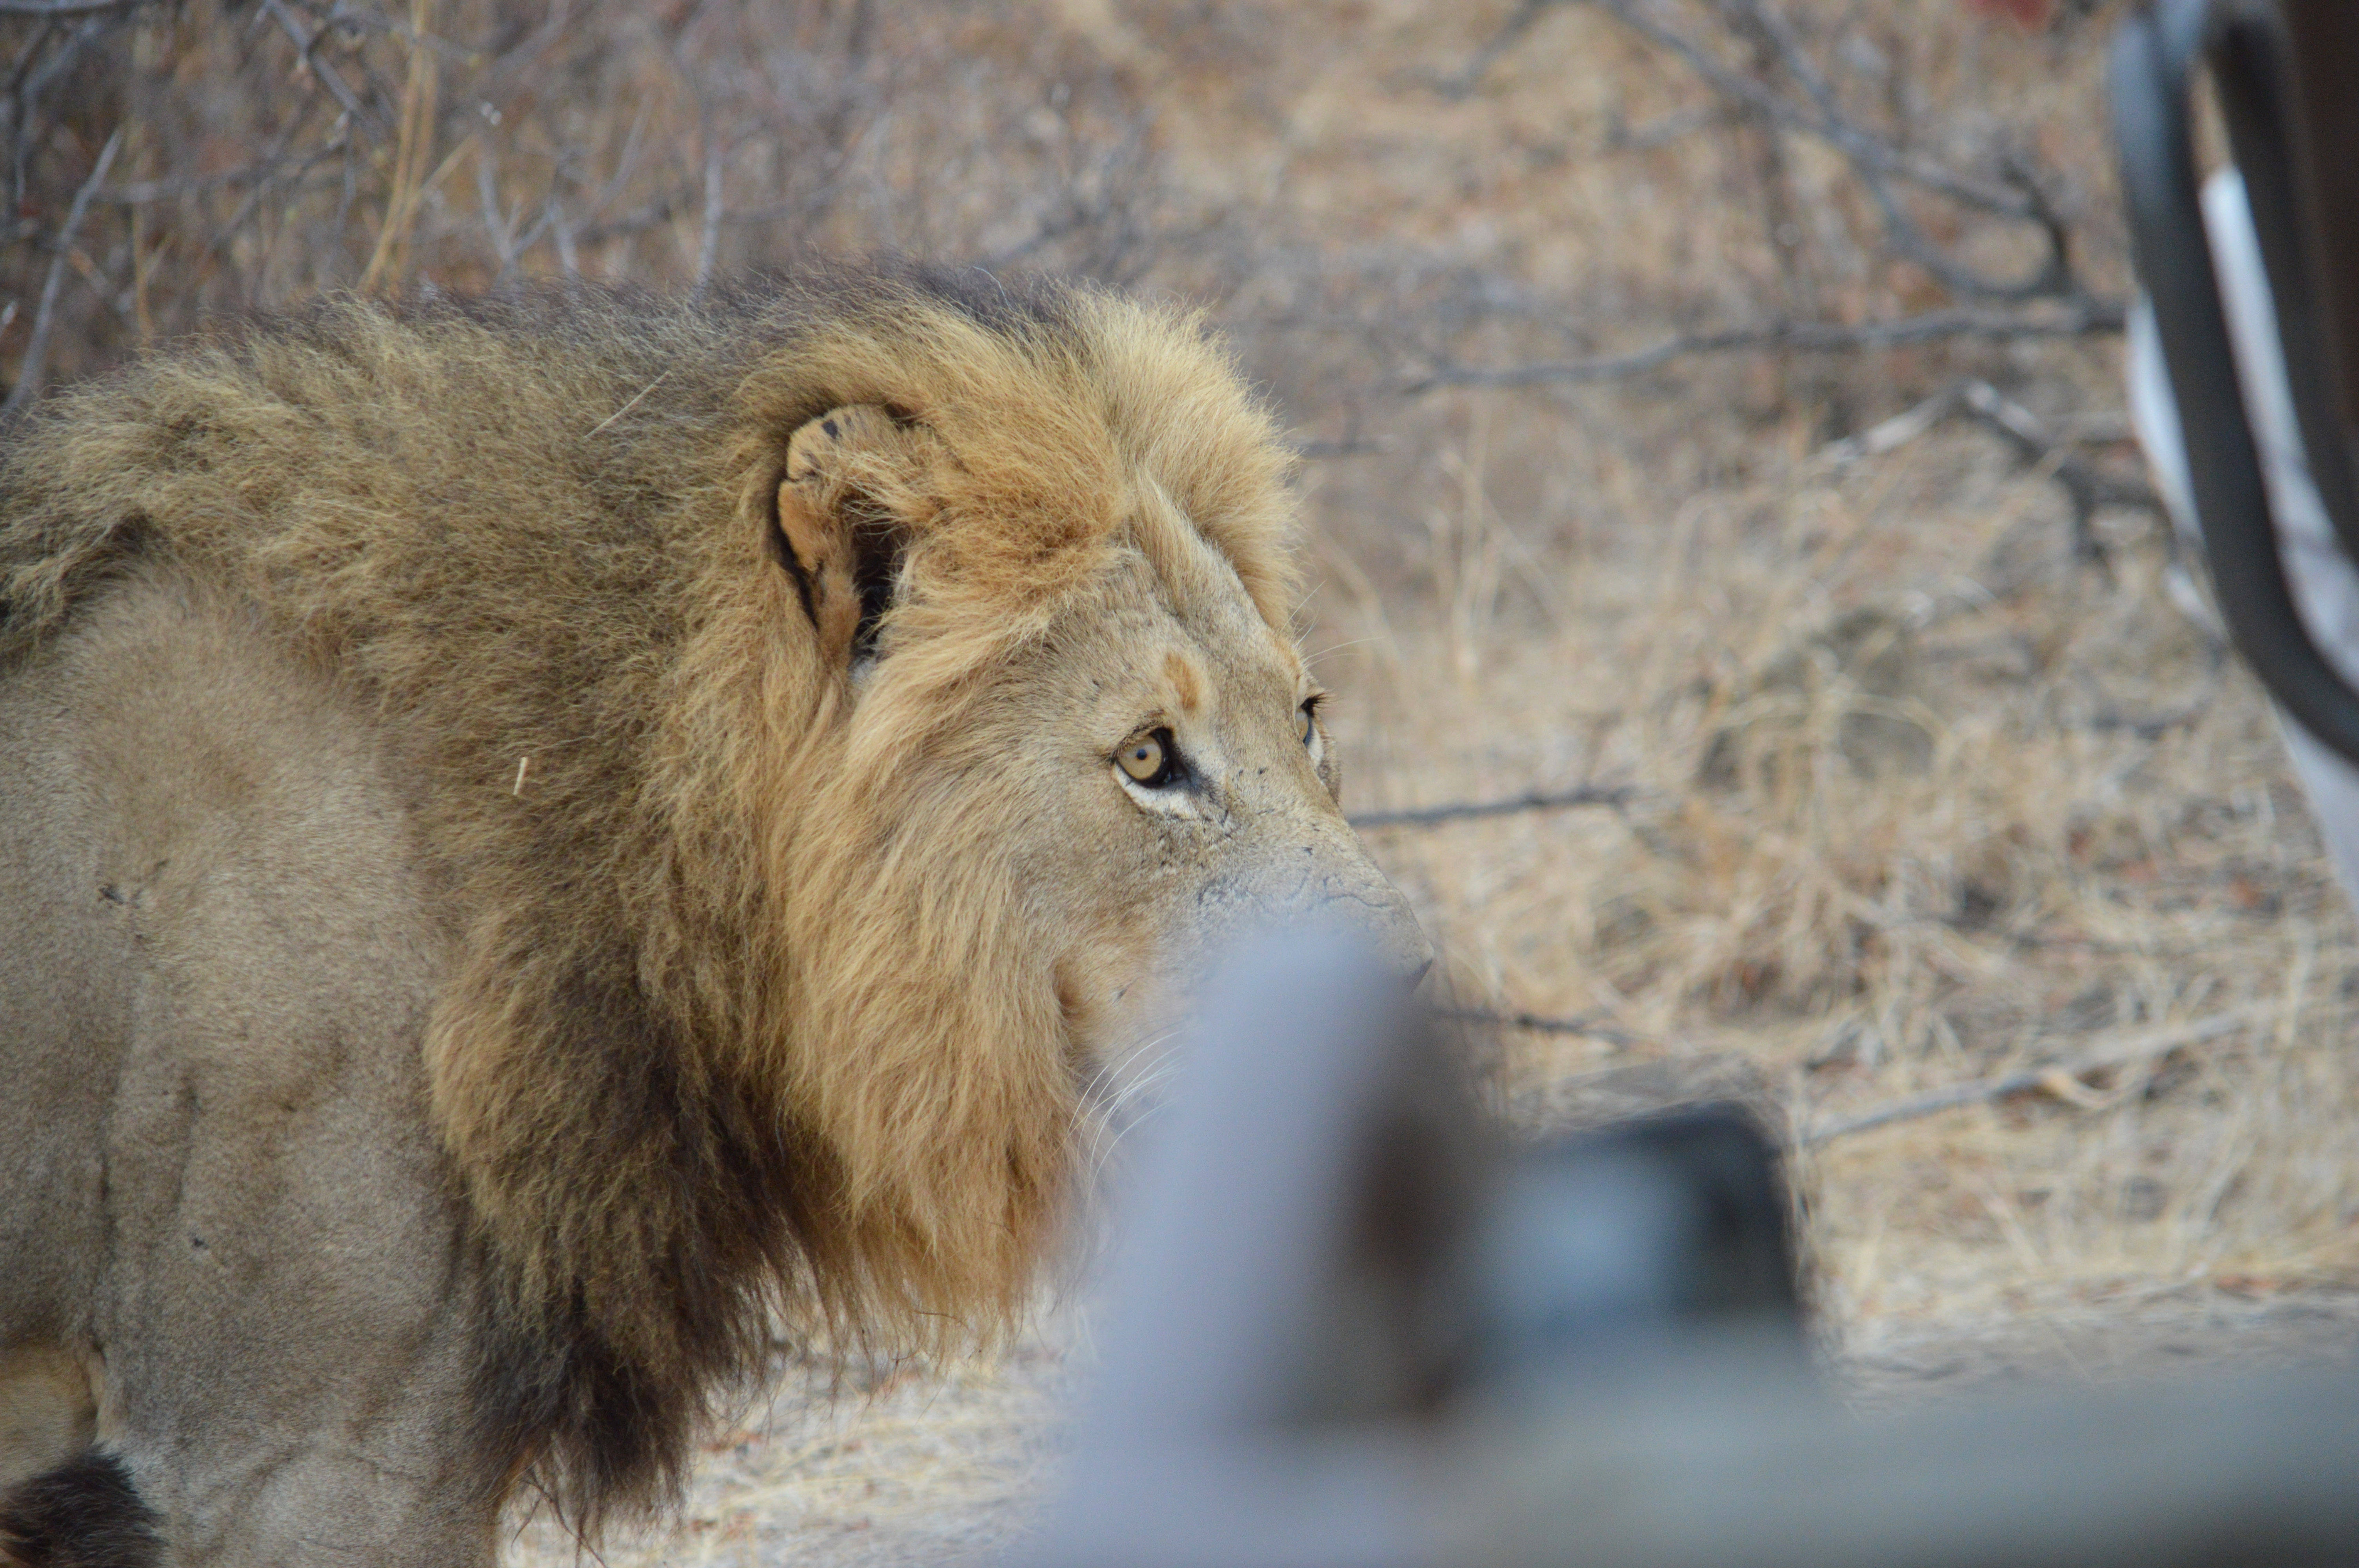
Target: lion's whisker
pixel 1153 1064
pixel 1336 648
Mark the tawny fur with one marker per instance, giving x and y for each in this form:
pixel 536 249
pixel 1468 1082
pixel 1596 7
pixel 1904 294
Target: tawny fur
pixel 723 1034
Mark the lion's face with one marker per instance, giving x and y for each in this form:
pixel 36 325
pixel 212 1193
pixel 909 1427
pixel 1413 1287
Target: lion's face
pixel 1176 790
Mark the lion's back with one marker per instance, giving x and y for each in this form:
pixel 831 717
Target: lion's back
pixel 215 959
pixel 426 448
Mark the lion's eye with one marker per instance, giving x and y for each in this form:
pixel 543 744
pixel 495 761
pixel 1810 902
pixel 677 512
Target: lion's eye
pixel 1152 759
pixel 1302 720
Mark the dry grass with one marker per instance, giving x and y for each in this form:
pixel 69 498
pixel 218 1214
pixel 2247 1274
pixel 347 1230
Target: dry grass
pixel 1919 802
pixel 1919 797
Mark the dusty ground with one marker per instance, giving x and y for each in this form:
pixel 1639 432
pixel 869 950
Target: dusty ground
pixel 911 1471
pixel 932 1472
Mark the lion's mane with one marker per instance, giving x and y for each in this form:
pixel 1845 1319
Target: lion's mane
pixel 728 1029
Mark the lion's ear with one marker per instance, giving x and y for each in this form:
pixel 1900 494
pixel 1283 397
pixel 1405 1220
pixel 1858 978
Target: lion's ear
pixel 841 522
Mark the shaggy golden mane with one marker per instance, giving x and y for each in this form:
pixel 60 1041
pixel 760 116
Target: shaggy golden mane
pixel 727 1029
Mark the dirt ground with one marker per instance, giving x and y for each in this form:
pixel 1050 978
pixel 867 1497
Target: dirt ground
pixel 920 1472
pixel 911 1470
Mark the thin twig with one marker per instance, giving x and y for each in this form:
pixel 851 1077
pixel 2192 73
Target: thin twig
pixel 269 166
pixel 289 24
pixel 2087 487
pixel 627 407
pixel 1876 162
pixel 1462 82
pixel 2035 445
pixel 2083 319
pixel 708 246
pixel 31 369
pixel 497 224
pixel 1881 163
pixel 1588 1027
pixel 1889 436
pixel 420 97
pixel 1617 796
pixel 1862 149
pixel 54 8
pixel 2118 1053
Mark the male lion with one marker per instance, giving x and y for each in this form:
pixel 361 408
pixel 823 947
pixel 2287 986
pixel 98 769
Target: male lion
pixel 537 833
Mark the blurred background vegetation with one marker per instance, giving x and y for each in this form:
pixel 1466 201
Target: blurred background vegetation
pixel 1709 411
pixel 1383 204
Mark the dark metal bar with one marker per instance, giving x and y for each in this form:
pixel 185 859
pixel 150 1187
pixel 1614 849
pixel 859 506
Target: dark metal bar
pixel 2324 68
pixel 2152 72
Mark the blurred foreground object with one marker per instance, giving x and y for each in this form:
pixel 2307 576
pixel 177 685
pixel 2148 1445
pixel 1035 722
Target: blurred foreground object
pixel 1347 1328
pixel 2029 15
pixel 2243 367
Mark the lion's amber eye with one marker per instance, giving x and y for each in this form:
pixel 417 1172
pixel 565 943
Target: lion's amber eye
pixel 1151 759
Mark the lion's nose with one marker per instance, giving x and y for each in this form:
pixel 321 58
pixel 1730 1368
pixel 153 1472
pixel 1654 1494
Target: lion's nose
pixel 1366 903
pixel 1405 948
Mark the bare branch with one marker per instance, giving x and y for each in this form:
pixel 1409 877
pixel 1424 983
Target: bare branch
pixel 1589 1026
pixel 2085 319
pixel 708 248
pixel 264 171
pixel 1862 148
pixel 2016 194
pixel 1617 796
pixel 30 369
pixel 2055 1076
pixel 498 225
pixel 39 68
pixel 147 192
pixel 1349 447
pixel 2087 487
pixel 293 27
pixel 1891 435
pixel 64 7
pixel 561 228
pixel 1877 163
pixel 2034 442
pixel 1511 32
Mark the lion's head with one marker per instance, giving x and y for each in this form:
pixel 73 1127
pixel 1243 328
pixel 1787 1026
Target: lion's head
pixel 1061 746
